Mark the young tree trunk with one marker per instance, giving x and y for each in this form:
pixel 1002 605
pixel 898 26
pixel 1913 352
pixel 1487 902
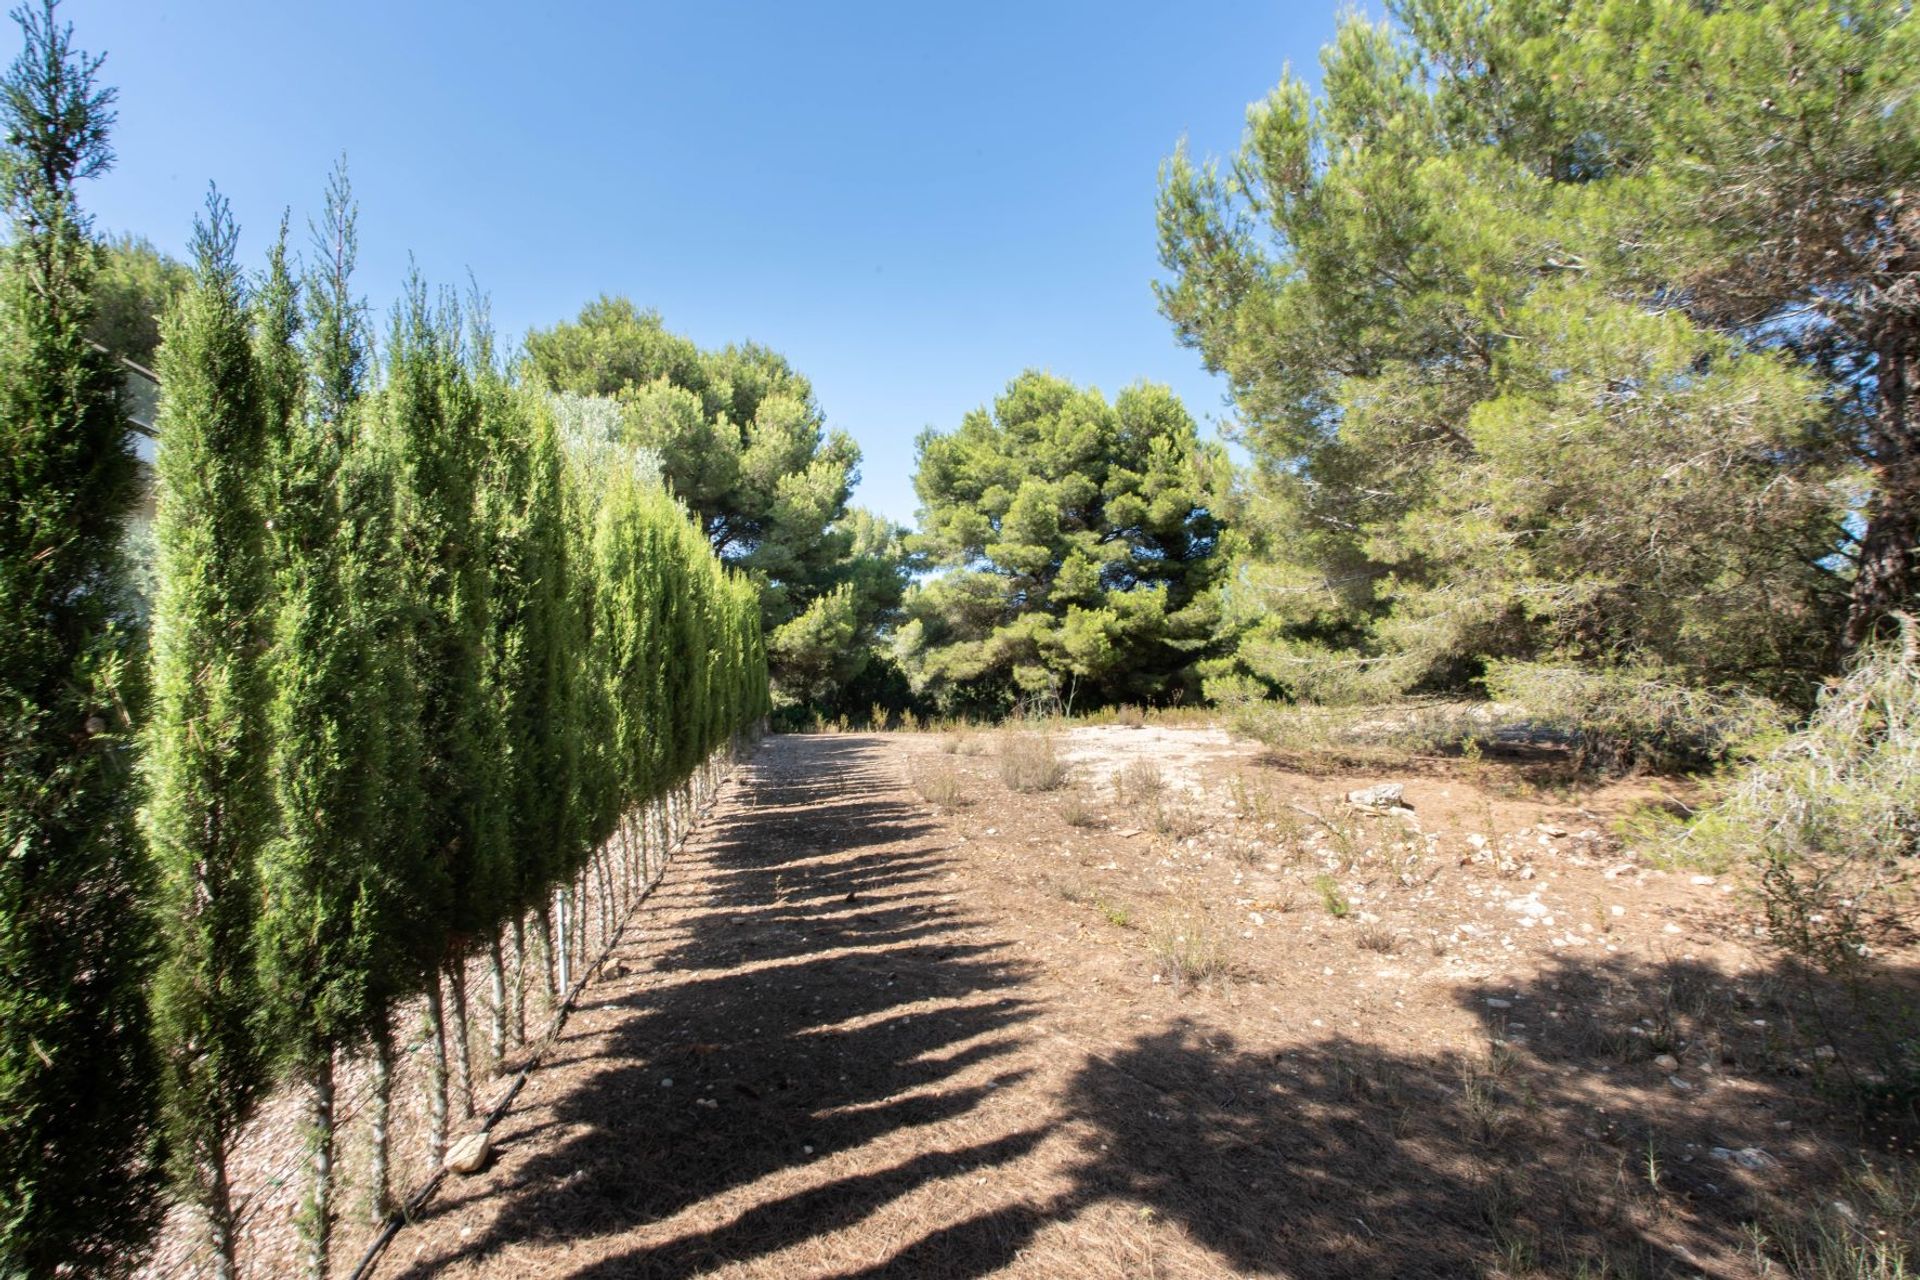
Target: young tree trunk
pixel 317 1219
pixel 562 948
pixel 218 1211
pixel 497 1014
pixel 379 1164
pixel 436 1075
pixel 519 994
pixel 549 953
pixel 462 1045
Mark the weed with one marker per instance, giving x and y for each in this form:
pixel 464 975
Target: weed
pixel 1375 937
pixel 1869 1231
pixel 1330 896
pixel 1117 915
pixel 1028 764
pixel 1188 949
pixel 1173 818
pixel 1076 811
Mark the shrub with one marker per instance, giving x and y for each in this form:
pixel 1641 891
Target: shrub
pixel 1634 714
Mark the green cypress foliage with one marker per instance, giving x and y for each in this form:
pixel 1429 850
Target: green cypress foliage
pixel 537 632
pixel 76 1071
pixel 335 897
pixel 210 811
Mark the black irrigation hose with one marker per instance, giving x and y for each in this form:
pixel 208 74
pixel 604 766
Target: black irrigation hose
pixel 409 1210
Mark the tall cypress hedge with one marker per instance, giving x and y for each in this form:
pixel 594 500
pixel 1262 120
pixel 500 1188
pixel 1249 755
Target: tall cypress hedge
pixel 77 1074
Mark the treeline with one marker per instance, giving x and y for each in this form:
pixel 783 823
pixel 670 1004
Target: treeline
pixel 1574 345
pixel 1573 348
pixel 423 680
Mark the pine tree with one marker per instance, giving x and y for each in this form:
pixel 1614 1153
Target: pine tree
pixel 210 811
pixel 76 1066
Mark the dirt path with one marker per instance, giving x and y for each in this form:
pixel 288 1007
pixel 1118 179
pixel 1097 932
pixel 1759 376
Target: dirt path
pixel 849 1038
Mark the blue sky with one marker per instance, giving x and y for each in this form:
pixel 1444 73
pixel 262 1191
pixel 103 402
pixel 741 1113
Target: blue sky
pixel 913 202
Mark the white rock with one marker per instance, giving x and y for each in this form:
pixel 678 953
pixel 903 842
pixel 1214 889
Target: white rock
pixel 469 1155
pixel 1667 1062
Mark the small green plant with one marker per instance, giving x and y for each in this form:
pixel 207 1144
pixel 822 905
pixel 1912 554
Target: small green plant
pixel 909 722
pixel 1119 916
pixel 1028 764
pixel 1330 896
pixel 877 718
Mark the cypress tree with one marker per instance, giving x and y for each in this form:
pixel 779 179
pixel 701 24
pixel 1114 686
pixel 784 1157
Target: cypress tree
pixel 210 811
pixel 76 1065
pixel 334 896
pixel 536 635
pixel 432 429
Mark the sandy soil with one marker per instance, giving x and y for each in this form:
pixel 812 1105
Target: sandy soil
pixel 1085 1034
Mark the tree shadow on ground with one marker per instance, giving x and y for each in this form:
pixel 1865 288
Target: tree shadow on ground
pixel 794 998
pixel 1558 1141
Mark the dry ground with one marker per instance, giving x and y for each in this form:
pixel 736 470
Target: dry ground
pixel 1213 1024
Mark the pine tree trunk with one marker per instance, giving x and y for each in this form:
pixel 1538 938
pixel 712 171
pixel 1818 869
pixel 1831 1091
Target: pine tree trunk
pixel 437 1074
pixel 497 1015
pixel 1889 576
pixel 379 1165
pixel 462 1043
pixel 317 1219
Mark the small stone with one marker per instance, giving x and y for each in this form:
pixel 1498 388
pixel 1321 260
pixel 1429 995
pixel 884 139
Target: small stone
pixel 1701 880
pixel 1385 795
pixel 1824 1052
pixel 1679 1085
pixel 667 1083
pixel 1494 1002
pixel 1667 1062
pixel 469 1155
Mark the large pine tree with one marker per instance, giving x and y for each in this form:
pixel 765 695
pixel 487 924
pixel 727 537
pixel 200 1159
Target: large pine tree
pixel 76 1068
pixel 210 812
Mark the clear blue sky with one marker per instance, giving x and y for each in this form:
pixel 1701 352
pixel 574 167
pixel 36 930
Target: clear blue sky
pixel 913 202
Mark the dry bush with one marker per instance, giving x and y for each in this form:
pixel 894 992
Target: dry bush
pixel 1377 937
pixel 1077 811
pixel 942 787
pixel 1028 764
pixel 1139 782
pixel 1174 818
pixel 1188 949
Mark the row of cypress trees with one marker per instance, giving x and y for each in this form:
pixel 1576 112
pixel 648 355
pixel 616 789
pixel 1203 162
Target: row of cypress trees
pixel 414 667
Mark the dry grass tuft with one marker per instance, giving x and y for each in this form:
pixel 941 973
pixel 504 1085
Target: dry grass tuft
pixel 942 787
pixel 1028 764
pixel 1188 949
